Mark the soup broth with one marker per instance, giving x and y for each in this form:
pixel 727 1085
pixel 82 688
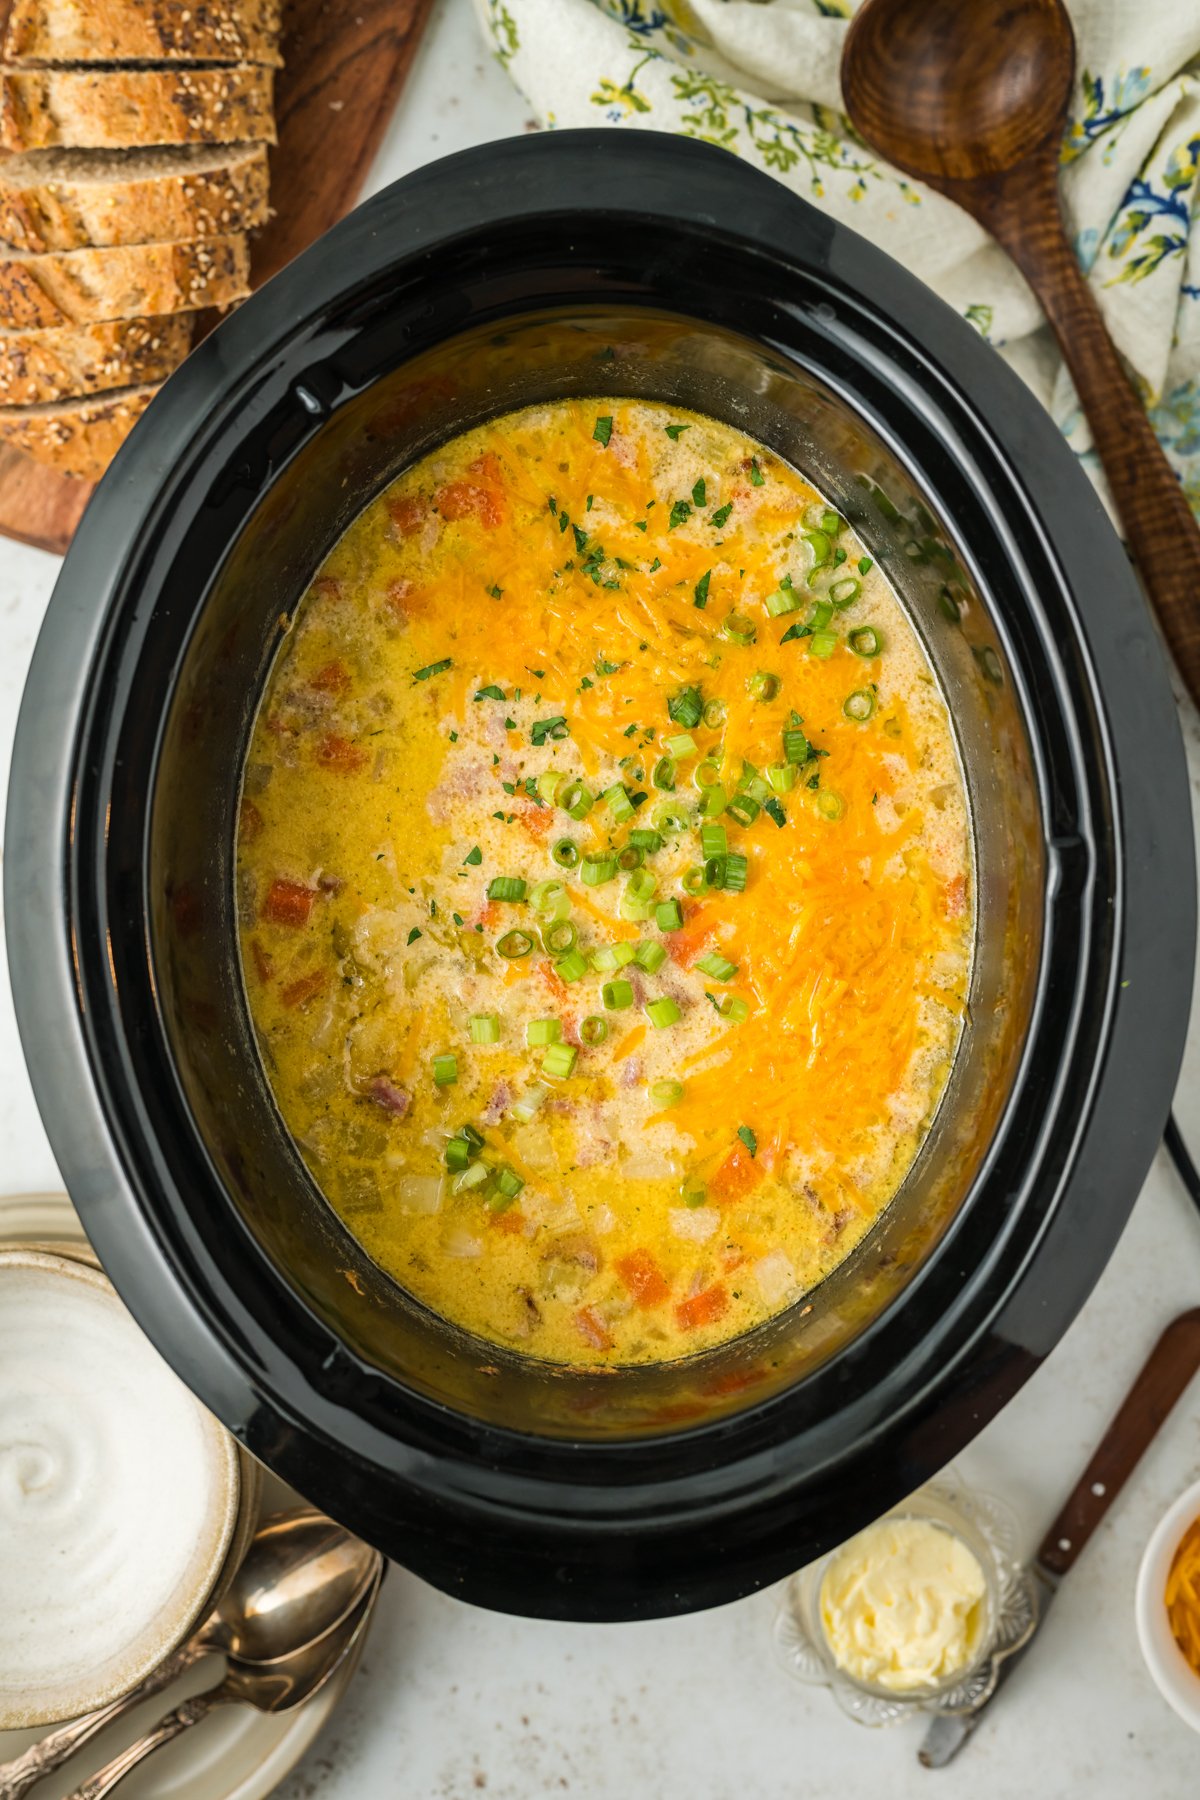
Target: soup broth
pixel 604 883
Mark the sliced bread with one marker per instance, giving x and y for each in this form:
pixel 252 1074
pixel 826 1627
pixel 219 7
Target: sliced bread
pixel 70 360
pixel 116 109
pixel 132 281
pixel 78 437
pixel 67 199
pixel 115 31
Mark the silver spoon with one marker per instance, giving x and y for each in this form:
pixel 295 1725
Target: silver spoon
pixel 300 1579
pixel 268 1687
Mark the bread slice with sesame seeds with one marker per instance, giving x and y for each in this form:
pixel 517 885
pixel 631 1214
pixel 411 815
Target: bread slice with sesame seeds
pixel 120 109
pixel 149 31
pixel 129 281
pixel 68 199
pixel 77 437
pixel 68 361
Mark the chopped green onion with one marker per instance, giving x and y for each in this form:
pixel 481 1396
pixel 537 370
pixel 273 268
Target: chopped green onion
pixel 716 965
pixel 739 629
pixel 829 804
pixel 668 915
pixel 458 1153
pixel 686 708
pixel 714 840
pixel 693 880
pixel 650 956
pixel 445 1070
pixel 820 615
pixel 763 685
pixel 559 937
pixel 549 782
pixel 527 1104
pixel 664 773
pixel 706 774
pixel 506 887
pixel 596 870
pixel 641 884
pixel 714 872
pixel 822 644
pixel 733 1008
pixel 593 1030
pixel 647 841
pixel 539 1032
pixel 559 1059
pixel 572 966
pixel 743 809
pixel 666 1093
pixel 782 777
pixel 617 995
pixel 796 747
pixel 668 817
pixel 612 956
pixel 474 1175
pixel 549 899
pixel 860 705
pixel 484 1028
pixel 631 857
pixel 663 1012
pixel 845 591
pixel 509 1182
pixel 575 800
pixel 783 600
pixel 865 641
pixel 682 745
pixel 514 944
pixel 715 801
pixel 618 803
pixel 818 543
pixel 692 1192
pixel 633 908
pixel 736 870
pixel 566 853
pixel 714 714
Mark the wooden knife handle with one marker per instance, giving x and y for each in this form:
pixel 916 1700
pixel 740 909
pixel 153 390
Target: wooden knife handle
pixel 1168 1370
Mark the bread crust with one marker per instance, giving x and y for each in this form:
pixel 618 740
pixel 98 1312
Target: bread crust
pixel 68 361
pixel 122 108
pixel 84 31
pixel 79 437
pixel 134 281
pixel 41 209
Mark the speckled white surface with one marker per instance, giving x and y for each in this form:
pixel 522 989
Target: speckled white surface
pixel 453 1703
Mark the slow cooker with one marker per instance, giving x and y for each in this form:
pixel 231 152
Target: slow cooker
pixel 574 264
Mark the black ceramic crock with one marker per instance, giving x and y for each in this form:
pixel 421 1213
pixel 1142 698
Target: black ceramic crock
pixel 596 263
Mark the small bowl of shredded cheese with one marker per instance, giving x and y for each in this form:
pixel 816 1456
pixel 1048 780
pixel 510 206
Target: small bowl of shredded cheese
pixel 1167 1606
pixel 914 1611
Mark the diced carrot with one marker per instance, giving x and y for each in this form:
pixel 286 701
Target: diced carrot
pixel 334 678
pixel 643 1277
pixel 736 1175
pixel 339 754
pixel 306 988
pixel 490 915
pixel 704 1308
pixel 264 966
pixel 250 821
pixel 511 1223
pixel 408 513
pixel 537 820
pixel 467 499
pixel 288 903
pixel 592 1329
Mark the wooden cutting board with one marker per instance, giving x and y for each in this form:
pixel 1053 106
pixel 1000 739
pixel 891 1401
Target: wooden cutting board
pixel 345 62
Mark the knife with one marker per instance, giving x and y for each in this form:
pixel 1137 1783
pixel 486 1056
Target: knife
pixel 1167 1372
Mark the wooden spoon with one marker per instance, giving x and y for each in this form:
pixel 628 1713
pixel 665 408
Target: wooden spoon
pixel 972 100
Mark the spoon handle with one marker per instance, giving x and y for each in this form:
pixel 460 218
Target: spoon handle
pixel 50 1752
pixel 1161 529
pixel 172 1725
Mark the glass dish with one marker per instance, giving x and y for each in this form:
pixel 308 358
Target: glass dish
pixel 989 1530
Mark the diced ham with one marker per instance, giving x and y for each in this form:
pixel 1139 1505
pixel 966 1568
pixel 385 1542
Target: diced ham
pixel 592 1329
pixel 306 988
pixel 338 753
pixel 288 903
pixel 408 513
pixel 393 1099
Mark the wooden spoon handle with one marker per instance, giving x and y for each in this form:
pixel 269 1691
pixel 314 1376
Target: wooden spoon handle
pixel 1160 526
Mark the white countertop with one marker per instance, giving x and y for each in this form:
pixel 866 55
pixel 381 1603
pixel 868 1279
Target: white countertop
pixel 454 1703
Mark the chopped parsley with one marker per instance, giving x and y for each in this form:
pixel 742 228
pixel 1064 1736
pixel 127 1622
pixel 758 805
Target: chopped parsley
pixel 640 524
pixel 541 729
pixel 475 856
pixel 796 631
pixel 675 432
pixel 722 513
pixel 656 564
pixel 679 513
pixel 590 498
pixel 746 1133
pixel 602 430
pixel 700 592
pixel 606 668
pixel 864 564
pixel 496 591
pixel 491 692
pixel 437 668
pixel 457 917
pixel 698 494
pixel 756 475
pixel 776 811
pixel 581 538
pixel 414 934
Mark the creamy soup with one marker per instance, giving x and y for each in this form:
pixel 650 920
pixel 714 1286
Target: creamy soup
pixel 604 883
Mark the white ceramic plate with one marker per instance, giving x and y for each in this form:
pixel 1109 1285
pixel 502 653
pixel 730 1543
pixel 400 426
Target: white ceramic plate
pixel 236 1754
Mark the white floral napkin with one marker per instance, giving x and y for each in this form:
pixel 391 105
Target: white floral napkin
pixel 761 78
